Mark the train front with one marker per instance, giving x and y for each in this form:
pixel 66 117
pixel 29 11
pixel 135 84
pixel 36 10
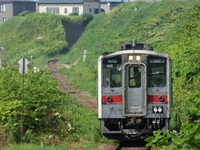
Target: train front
pixel 134 92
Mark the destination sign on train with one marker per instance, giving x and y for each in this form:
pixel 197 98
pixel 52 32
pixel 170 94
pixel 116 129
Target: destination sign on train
pixel 113 60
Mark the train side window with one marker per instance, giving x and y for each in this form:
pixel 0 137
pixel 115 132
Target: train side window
pixel 106 78
pixel 156 71
pixel 157 76
pixel 134 76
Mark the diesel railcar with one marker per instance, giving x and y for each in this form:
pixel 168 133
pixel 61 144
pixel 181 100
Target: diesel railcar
pixel 134 92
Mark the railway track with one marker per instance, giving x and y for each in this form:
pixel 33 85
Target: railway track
pixel 132 145
pixel 86 100
pixel 125 145
pixel 64 86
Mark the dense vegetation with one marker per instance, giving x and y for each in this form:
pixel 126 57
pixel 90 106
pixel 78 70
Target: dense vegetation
pixel 50 117
pixel 170 26
pixel 38 37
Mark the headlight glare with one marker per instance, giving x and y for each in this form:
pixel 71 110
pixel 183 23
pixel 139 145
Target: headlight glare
pixel 159 109
pixel 155 109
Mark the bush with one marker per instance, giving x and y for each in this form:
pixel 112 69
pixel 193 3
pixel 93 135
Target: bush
pixel 73 14
pixel 24 13
pixel 188 138
pixel 42 109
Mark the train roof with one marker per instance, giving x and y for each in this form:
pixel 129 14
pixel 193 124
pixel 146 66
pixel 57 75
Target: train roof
pixel 132 51
pixel 135 48
pixel 135 45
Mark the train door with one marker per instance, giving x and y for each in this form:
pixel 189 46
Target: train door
pixel 135 103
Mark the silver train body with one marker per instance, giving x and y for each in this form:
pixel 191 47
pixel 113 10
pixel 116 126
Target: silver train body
pixel 134 92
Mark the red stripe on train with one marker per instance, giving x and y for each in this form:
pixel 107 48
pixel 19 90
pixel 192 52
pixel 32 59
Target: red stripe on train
pixel 113 99
pixel 157 99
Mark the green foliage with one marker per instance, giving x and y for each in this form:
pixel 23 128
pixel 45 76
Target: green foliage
pixel 50 117
pixel 73 14
pixel 37 35
pixel 170 26
pixel 42 104
pixel 87 18
pixel 188 138
pixel 158 139
pixel 36 147
pixel 159 24
pixel 24 13
pixel 85 73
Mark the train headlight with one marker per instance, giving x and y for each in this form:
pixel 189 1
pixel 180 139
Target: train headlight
pixel 138 58
pixel 130 57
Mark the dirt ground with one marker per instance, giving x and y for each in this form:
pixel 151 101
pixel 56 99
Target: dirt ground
pixel 2 138
pixel 65 86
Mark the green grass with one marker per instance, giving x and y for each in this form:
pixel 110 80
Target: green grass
pixel 170 26
pixel 84 145
pixel 161 24
pixel 50 117
pixel 36 147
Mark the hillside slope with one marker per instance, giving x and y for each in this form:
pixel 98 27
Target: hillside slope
pixel 39 36
pixel 170 26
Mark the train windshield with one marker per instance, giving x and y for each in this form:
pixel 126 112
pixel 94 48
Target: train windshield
pixel 112 76
pixel 157 72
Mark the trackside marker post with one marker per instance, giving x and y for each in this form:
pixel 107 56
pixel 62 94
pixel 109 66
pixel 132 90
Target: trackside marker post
pixel 23 69
pixel 23 65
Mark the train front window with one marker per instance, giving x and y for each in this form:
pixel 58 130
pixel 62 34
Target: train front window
pixel 134 76
pixel 112 76
pixel 115 78
pixel 157 72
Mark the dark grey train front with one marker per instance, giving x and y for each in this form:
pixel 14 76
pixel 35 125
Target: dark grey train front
pixel 134 92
